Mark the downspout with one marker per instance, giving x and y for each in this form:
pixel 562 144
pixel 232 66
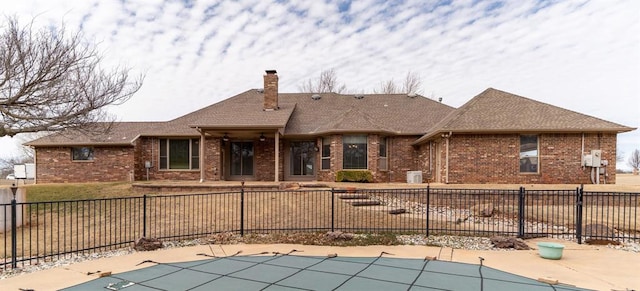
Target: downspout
pixel 201 154
pixel 446 173
pixel 277 155
pixel 582 152
pixel 35 165
pixel 430 158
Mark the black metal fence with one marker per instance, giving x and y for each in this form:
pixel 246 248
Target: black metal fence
pixel 49 230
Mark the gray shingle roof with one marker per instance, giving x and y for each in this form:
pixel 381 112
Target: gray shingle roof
pixel 495 111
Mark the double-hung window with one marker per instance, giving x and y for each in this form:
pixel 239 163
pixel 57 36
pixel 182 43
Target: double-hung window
pixel 382 154
pixel 326 153
pixel 179 154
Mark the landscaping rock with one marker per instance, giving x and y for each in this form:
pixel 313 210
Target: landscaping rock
pixel 503 242
pixel 289 186
pixel 144 244
pixel 224 238
pixel 602 242
pixel 484 210
pixel 339 235
pixel 599 230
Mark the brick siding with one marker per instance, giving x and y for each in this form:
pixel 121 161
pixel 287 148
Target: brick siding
pixel 495 158
pixel 110 164
pixel 472 158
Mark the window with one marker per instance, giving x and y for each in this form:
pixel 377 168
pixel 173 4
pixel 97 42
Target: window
pixel 354 150
pixel 528 154
pixel 82 154
pixel 382 154
pixel 179 154
pixel 326 153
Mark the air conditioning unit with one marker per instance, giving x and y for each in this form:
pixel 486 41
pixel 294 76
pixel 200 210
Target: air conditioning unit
pixel 414 177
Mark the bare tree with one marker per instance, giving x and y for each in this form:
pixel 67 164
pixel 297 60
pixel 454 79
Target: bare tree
pixel 620 156
pixel 52 80
pixel 327 82
pixel 411 84
pixel 7 163
pixel 634 160
pixel 388 87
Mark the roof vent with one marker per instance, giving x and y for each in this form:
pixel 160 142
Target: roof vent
pixel 358 96
pixel 412 95
pixel 316 96
pixel 261 90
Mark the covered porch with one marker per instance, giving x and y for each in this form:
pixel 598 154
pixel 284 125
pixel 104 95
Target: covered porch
pixel 256 154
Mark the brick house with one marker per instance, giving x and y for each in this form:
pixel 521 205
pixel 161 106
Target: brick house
pixel 265 135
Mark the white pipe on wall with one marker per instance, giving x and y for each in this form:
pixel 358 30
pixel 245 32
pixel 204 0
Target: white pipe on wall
pixel 446 177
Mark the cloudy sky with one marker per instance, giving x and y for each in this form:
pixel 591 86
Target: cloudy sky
pixel 580 55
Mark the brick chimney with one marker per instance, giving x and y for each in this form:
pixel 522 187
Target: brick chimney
pixel 271 90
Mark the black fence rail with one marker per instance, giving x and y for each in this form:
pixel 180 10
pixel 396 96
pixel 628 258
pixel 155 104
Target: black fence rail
pixel 32 232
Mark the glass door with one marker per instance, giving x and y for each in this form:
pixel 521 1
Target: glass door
pixel 241 158
pixel 302 157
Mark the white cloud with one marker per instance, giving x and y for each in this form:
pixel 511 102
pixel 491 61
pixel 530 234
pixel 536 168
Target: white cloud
pixel 580 55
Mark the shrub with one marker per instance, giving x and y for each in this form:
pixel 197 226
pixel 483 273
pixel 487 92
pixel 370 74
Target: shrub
pixel 362 176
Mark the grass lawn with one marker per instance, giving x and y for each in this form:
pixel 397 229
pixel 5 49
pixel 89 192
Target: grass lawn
pixel 70 226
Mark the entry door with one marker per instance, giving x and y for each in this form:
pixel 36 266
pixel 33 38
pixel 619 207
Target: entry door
pixel 241 159
pixel 302 159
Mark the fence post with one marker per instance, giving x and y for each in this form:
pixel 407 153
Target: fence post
pixel 579 200
pixel 144 215
pixel 14 229
pixel 333 210
pixel 242 209
pixel 521 212
pixel 427 210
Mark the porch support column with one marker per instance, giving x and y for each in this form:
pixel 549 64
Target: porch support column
pixel 277 155
pixel 201 149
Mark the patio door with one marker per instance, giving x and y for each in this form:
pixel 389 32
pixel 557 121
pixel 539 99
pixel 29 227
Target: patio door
pixel 302 160
pixel 241 161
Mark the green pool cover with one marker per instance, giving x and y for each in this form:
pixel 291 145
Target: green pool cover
pixel 293 272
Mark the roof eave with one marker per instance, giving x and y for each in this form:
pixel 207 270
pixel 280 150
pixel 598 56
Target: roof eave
pixel 429 136
pixel 77 144
pixel 237 127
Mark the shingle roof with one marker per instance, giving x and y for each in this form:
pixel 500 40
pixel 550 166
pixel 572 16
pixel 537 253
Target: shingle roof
pixel 497 111
pixel 389 113
pixel 244 110
pixel 299 114
pixel 492 111
pixel 120 133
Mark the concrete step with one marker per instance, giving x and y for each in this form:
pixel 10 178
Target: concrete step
pixel 397 211
pixel 364 202
pixel 353 196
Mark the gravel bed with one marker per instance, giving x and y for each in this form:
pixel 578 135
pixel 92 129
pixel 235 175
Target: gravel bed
pixel 456 242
